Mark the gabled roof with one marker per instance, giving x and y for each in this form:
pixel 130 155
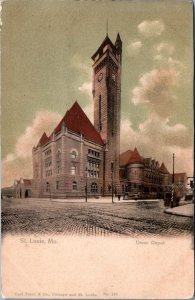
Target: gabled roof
pixel 130 156
pixel 163 168
pixel 105 42
pixel 43 140
pixel 136 157
pixel 76 120
pixel 125 157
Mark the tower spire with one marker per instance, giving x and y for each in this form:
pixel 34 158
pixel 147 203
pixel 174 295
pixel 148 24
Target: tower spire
pixel 107 27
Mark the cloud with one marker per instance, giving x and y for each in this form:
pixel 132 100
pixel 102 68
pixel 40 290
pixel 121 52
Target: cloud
pixel 86 87
pixel 164 49
pixel 19 163
pixel 134 48
pixel 151 28
pixel 155 90
pixel 164 56
pixel 167 140
pixel 88 109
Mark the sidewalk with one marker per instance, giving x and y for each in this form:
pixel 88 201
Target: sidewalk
pixel 186 210
pixel 95 200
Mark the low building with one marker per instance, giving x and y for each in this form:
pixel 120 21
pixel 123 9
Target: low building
pixel 142 176
pixel 23 188
pixel 180 183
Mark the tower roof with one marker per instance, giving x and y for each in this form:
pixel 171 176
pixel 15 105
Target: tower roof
pixel 76 120
pixel 129 157
pixel 105 42
pixel 118 38
pixel 125 157
pixel 163 168
pixel 136 157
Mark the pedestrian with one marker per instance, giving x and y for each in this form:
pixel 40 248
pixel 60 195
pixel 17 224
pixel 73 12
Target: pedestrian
pixel 119 197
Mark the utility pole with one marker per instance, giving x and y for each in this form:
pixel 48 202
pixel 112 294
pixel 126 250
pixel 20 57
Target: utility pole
pixel 112 170
pixel 173 180
pixel 86 185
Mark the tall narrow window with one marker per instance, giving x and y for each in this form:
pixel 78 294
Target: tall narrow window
pixel 73 169
pixel 57 185
pixel 100 112
pixel 74 185
pixel 113 115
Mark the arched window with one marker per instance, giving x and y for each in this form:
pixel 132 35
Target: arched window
pixel 47 187
pixel 94 187
pixel 74 185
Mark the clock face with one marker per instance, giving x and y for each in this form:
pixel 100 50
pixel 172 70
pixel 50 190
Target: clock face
pixel 100 77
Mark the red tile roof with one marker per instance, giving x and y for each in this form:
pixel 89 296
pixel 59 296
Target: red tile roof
pixel 164 169
pixel 125 157
pixel 130 156
pixel 43 140
pixel 136 157
pixel 76 120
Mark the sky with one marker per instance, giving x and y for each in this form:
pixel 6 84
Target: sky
pixel 46 65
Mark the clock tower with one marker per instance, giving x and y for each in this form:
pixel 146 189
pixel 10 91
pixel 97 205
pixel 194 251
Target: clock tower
pixel 107 105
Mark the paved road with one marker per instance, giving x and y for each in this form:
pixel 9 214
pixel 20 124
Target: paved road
pixel 104 219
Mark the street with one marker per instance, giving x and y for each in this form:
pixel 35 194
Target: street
pixel 35 216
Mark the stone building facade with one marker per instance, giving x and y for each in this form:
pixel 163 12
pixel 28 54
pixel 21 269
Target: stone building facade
pixel 81 159
pixel 23 188
pixel 141 176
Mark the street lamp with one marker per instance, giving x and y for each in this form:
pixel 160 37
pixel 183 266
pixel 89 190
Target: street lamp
pixel 86 185
pixel 112 170
pixel 173 180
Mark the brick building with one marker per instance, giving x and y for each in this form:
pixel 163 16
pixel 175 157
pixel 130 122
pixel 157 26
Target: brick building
pixel 83 159
pixel 142 176
pixel 79 157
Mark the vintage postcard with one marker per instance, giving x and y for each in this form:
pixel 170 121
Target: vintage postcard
pixel 97 149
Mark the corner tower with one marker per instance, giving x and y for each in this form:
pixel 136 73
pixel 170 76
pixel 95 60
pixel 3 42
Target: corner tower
pixel 107 105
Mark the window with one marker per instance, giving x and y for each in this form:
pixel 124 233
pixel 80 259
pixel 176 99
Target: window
pixel 48 152
pixel 48 173
pixel 100 112
pixel 36 170
pixel 94 187
pixel 74 185
pixel 58 162
pixel 57 185
pixel 47 187
pixel 73 154
pixel 73 169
